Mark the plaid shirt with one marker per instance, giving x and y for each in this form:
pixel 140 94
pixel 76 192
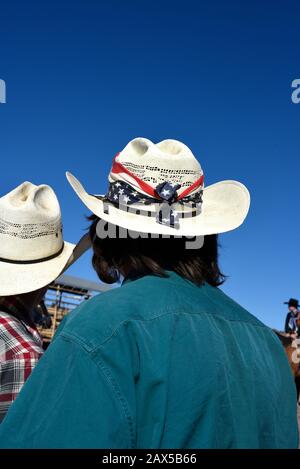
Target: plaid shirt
pixel 20 350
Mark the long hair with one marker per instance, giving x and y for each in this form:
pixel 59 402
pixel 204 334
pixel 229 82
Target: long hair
pixel 144 256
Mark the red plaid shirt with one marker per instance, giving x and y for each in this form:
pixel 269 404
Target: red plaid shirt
pixel 20 350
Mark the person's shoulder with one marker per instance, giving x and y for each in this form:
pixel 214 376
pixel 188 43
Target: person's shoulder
pixel 98 318
pixel 8 324
pixel 15 341
pixel 230 309
pixel 142 299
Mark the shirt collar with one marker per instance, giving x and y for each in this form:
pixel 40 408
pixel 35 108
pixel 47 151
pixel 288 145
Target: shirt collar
pixel 132 277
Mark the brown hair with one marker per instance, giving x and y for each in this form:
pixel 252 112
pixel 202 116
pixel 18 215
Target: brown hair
pixel 142 256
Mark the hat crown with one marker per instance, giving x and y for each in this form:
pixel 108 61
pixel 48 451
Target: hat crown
pixel 28 197
pixel 30 223
pixel 140 146
pixel 167 161
pixel 293 302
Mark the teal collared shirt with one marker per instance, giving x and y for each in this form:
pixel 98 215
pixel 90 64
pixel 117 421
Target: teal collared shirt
pixel 158 363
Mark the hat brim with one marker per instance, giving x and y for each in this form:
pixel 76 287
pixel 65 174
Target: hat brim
pixel 225 207
pixel 16 279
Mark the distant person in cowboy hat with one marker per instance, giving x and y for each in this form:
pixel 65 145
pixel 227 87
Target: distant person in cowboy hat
pixel 291 326
pixel 167 360
pixel 32 254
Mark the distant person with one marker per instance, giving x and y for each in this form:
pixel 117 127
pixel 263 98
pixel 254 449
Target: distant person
pixel 291 320
pixel 41 316
pixel 167 360
pixel 32 254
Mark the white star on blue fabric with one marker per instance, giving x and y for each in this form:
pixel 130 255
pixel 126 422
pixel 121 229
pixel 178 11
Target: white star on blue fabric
pixel 126 199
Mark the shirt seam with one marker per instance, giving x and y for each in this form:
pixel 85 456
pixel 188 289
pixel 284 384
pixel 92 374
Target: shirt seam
pixel 112 384
pixel 89 348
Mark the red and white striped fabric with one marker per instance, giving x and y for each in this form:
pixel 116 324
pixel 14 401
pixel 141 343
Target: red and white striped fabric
pixel 20 350
pixel 144 164
pixel 121 173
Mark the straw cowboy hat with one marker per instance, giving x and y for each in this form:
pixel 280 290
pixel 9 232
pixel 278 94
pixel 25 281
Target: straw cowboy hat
pixel 32 250
pixel 159 188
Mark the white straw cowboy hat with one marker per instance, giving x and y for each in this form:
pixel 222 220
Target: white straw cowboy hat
pixel 159 188
pixel 32 250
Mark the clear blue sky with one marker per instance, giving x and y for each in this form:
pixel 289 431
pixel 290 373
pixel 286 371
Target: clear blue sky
pixel 85 77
